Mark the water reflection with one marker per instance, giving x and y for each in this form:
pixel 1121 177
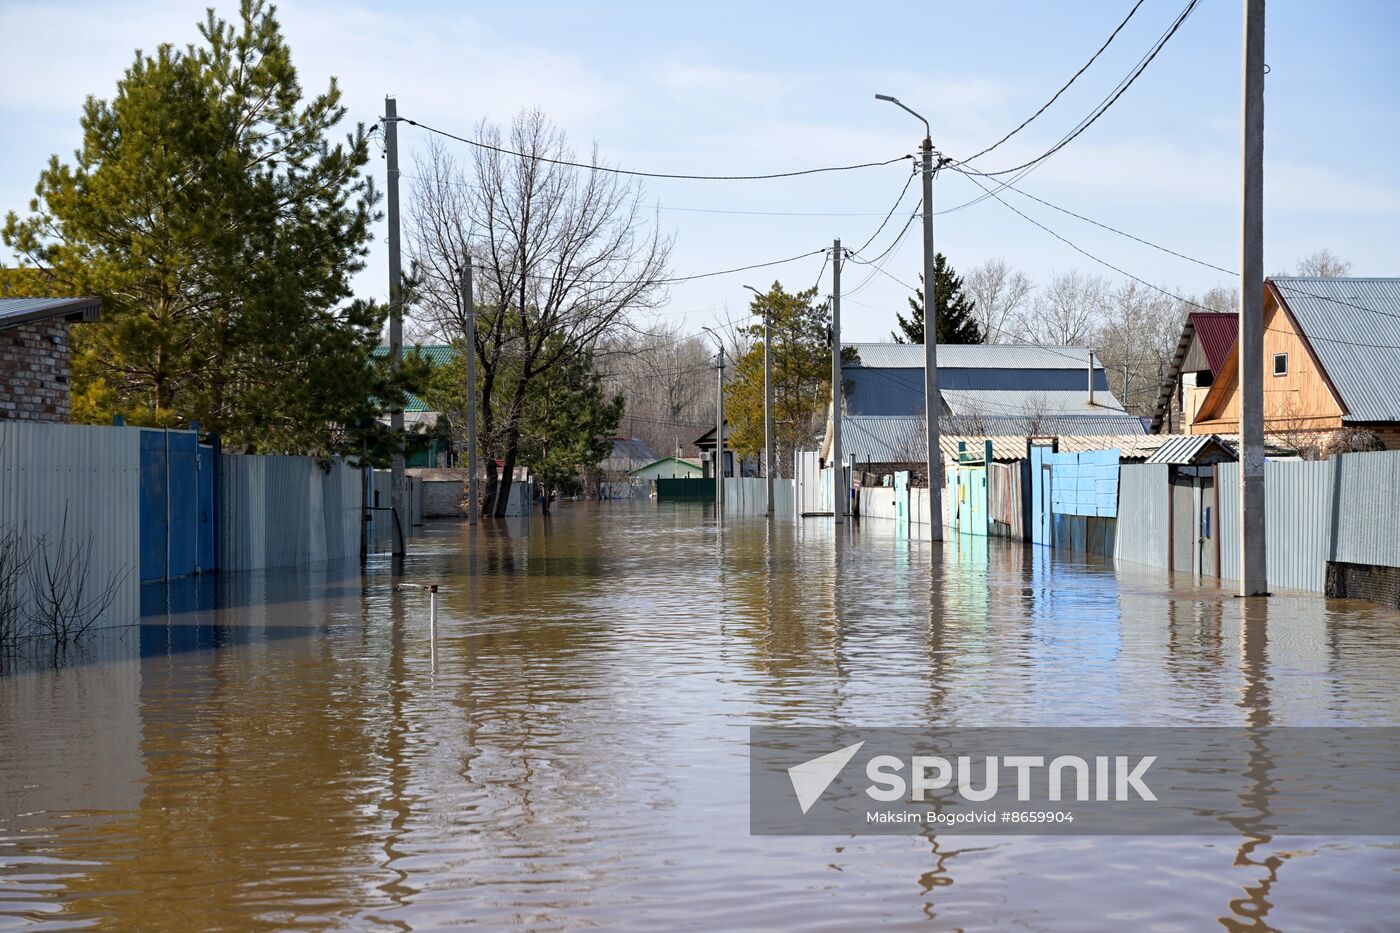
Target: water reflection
pixel 296 750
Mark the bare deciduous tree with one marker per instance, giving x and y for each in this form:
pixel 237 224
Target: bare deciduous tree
pixel 564 256
pixel 668 381
pixel 1068 311
pixel 1323 263
pixel 999 294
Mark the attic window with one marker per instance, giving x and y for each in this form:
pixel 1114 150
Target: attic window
pixel 1280 364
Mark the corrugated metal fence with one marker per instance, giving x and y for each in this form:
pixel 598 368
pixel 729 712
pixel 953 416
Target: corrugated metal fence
pixel 286 511
pixel 1344 509
pixel 1144 506
pixel 1366 509
pixel 91 474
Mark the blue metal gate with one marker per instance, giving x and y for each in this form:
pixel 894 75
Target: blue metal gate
pixel 177 505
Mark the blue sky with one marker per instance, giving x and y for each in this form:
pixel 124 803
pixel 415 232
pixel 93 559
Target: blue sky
pixel 750 88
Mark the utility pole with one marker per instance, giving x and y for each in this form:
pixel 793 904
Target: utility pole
pixel 1125 387
pixel 1253 569
pixel 840 496
pixel 933 403
pixel 396 476
pixel 719 442
pixel 768 406
pixel 469 308
pixel 768 447
pixel 932 400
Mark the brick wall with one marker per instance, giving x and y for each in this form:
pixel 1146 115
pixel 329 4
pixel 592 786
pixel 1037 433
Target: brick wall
pixel 34 370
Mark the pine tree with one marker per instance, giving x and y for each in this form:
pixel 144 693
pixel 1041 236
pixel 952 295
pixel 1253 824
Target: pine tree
pixel 221 227
pixel 956 320
pixel 801 358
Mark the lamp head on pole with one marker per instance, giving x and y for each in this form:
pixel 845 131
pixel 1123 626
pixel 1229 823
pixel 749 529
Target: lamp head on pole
pixel 928 133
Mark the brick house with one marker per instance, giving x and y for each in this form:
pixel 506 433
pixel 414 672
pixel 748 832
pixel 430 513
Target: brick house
pixel 34 355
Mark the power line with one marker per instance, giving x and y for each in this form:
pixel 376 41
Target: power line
pixel 1170 294
pixel 1122 233
pixel 1104 105
pixel 1074 77
pixel 687 210
pixel 893 207
pixel 623 171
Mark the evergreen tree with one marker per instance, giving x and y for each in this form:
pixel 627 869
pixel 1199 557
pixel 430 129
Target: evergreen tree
pixel 209 211
pixel 956 321
pixel 801 358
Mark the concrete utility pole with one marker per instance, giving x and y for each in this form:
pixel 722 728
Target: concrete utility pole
pixel 396 476
pixel 719 442
pixel 767 400
pixel 1253 569
pixel 932 400
pixel 840 495
pixel 469 307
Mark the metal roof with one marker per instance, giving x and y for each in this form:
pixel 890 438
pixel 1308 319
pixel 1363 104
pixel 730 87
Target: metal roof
pixel 17 311
pixel 1353 325
pixel 1182 449
pixel 628 453
pixel 971 356
pixel 889 439
pixel 438 354
pixel 1028 403
pixel 1216 332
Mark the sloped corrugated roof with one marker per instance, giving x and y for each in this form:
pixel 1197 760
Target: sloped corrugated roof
pixel 1353 325
pixel 1216 332
pixel 17 311
pixel 900 439
pixel 1032 402
pixel 971 356
pixel 628 453
pixel 439 354
pixel 1182 449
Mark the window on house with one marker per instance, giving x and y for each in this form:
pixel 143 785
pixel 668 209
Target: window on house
pixel 1280 364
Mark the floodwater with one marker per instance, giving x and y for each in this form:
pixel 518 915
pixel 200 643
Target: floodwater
pixel 569 751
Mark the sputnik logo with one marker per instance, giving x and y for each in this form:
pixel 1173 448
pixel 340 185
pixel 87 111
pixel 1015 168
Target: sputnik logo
pixel 811 778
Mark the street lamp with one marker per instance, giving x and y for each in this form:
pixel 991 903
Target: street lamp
pixel 719 430
pixel 767 399
pixel 932 403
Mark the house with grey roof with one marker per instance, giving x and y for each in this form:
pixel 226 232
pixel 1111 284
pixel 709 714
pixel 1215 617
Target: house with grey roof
pixel 35 362
pixel 989 388
pixel 1331 363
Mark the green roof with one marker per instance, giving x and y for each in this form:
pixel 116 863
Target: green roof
pixel 438 354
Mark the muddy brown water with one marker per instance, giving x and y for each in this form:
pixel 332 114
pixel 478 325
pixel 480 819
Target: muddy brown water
pixel 571 750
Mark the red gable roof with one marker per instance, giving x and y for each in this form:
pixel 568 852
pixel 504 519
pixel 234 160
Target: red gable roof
pixel 1216 331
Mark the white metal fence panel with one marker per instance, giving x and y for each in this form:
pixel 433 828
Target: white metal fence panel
pixel 1143 510
pixel 91 473
pixel 1298 536
pixel 1366 508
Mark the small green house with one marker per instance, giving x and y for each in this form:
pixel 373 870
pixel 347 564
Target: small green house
pixel 668 468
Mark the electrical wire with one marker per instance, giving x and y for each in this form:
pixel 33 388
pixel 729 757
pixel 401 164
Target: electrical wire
pixel 1170 294
pixel 1103 106
pixel 623 171
pixel 1122 233
pixel 1074 77
pixel 893 207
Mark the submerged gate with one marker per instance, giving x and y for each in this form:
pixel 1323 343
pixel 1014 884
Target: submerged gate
pixel 178 485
